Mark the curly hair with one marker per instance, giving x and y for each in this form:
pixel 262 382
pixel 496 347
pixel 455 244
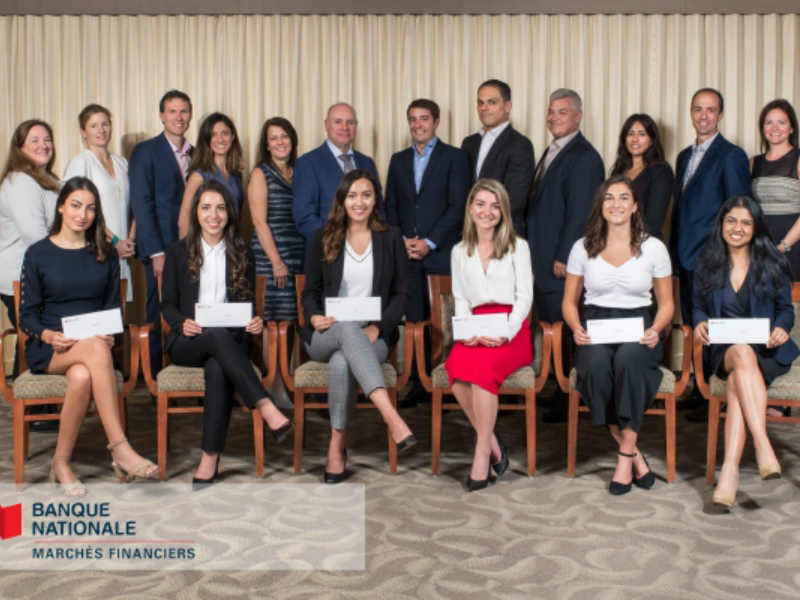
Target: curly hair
pixel 595 235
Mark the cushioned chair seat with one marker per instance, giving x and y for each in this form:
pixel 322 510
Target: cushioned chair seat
pixel 185 379
pixel 29 386
pixel 785 387
pixel 667 381
pixel 521 378
pixel 315 375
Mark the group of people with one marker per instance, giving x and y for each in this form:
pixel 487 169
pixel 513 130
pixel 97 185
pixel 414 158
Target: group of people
pixel 487 213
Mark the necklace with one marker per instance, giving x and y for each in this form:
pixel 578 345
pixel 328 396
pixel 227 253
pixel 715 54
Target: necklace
pixel 355 256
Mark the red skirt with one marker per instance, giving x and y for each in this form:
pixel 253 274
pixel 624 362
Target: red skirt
pixel 488 367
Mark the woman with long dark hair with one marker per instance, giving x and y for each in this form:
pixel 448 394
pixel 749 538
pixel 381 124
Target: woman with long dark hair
pixel 741 274
pixel 212 265
pixel 71 272
pixel 356 254
pixel 618 263
pixel 640 158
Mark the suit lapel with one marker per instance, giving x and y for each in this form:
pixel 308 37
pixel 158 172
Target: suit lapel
pixel 708 157
pixel 548 175
pixel 168 157
pixel 378 251
pixel 337 270
pixel 497 147
pixel 407 170
pixel 433 164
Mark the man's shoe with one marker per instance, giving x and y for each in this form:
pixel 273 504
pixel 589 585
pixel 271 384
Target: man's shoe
pixel 554 415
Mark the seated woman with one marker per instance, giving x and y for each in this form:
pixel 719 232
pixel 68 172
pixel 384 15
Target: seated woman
pixel 355 255
pixel 618 263
pixel 491 274
pixel 741 274
pixel 211 265
pixel 73 271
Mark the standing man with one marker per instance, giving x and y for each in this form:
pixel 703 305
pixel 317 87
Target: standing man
pixel 567 176
pixel 426 191
pixel 498 151
pixel 708 172
pixel 157 171
pixel 317 173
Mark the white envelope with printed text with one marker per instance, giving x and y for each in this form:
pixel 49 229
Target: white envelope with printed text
pixel 493 325
pixel 104 322
pixel 354 309
pixel 615 331
pixel 223 314
pixel 738 331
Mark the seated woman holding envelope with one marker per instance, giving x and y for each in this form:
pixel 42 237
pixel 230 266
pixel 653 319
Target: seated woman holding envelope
pixel 75 271
pixel 356 255
pixel 491 274
pixel 618 263
pixel 214 265
pixel 741 275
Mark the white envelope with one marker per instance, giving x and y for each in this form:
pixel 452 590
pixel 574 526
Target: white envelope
pixel 615 331
pixel 104 322
pixel 223 314
pixel 493 325
pixel 354 309
pixel 738 331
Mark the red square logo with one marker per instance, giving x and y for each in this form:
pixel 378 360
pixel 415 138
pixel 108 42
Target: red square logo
pixel 10 521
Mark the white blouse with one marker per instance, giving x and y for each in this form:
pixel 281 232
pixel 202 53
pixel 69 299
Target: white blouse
pixel 212 274
pixel 625 286
pixel 357 273
pixel 508 280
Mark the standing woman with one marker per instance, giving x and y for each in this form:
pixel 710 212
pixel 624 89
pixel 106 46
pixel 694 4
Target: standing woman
pixel 76 271
pixel 217 156
pixel 355 255
pixel 618 263
pixel 640 158
pixel 491 274
pixel 211 265
pixel 109 172
pixel 741 275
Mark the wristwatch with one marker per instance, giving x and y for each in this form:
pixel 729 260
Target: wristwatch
pixel 786 246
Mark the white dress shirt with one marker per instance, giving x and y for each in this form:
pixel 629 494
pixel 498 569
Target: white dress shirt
pixel 487 142
pixel 357 274
pixel 212 274
pixel 508 280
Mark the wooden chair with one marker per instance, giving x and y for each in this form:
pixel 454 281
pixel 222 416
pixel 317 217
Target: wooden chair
pixel 36 390
pixel 523 381
pixel 784 391
pixel 174 382
pixel 311 377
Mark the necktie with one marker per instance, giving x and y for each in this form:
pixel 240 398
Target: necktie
pixel 540 170
pixel 347 160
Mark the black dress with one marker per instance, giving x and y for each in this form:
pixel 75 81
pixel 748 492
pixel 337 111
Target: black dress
pixel 58 282
pixel 655 186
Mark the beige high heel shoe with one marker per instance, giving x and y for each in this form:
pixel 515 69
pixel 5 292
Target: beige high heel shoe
pixel 772 471
pixel 137 472
pixel 73 489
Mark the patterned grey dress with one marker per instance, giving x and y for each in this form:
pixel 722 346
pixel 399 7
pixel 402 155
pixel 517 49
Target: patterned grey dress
pixel 281 304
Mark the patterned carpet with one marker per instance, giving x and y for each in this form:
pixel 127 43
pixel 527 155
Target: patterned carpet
pixel 547 537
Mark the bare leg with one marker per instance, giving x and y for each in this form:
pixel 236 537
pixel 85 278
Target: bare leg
pixel 336 462
pixel 76 403
pixel 398 427
pixel 485 414
pixel 623 463
pixel 463 393
pixel 735 436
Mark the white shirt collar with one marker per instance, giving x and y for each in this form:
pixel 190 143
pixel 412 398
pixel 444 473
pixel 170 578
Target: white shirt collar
pixel 496 131
pixel 336 152
pixel 208 249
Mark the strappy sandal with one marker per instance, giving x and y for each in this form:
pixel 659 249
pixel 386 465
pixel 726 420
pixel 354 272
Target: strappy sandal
pixel 73 489
pixel 137 472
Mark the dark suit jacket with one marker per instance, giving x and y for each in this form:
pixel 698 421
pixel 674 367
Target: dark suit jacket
pixel 179 293
pixel 511 162
pixel 437 211
pixel 779 311
pixel 316 177
pixel 655 186
pixel 559 207
pixel 389 281
pixel 723 172
pixel 157 188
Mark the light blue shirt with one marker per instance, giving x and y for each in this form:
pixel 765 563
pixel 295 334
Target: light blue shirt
pixel 421 161
pixel 337 153
pixel 698 152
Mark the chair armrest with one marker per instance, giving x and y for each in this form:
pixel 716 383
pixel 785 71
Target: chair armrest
pixel 686 363
pixel 408 356
pixel 133 374
pixel 558 362
pixel 144 355
pixel 271 331
pixel 547 342
pixel 699 373
pixel 419 342
pixel 8 392
pixel 285 329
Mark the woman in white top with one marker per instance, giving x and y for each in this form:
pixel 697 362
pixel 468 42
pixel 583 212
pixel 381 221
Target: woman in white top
pixel 618 263
pixel 109 172
pixel 491 274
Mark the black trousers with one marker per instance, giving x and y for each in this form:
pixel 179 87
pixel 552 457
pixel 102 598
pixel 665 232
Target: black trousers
pixel 548 307
pixel 153 315
pixel 686 279
pixel 12 317
pixel 225 359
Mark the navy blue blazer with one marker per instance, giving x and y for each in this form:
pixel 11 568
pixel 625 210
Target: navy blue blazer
pixel 559 207
pixel 316 177
pixel 779 311
pixel 723 172
pixel 157 187
pixel 436 212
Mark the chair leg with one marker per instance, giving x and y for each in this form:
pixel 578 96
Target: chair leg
pixel 669 419
pixel 713 436
pixel 436 430
pixel 258 442
pixel 163 427
pixel 299 429
pixel 392 445
pixel 572 432
pixel 530 427
pixel 26 427
pixel 19 443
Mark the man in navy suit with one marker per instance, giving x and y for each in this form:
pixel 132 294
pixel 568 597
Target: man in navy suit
pixel 157 170
pixel 498 151
pixel 567 177
pixel 426 192
pixel 317 173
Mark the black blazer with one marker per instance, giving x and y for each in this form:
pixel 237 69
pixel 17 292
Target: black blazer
pixel 179 293
pixel 559 207
pixel 511 161
pixel 389 281
pixel 437 211
pixel 654 186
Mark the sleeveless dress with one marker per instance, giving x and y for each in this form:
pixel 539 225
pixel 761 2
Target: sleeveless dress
pixel 281 304
pixel 777 188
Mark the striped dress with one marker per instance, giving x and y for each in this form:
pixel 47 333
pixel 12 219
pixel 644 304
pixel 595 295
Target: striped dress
pixel 281 304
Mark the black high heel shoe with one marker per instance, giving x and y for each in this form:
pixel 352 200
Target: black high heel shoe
pixel 615 488
pixel 406 443
pixel 201 484
pixel 501 466
pixel 336 477
pixel 280 433
pixel 647 480
pixel 473 485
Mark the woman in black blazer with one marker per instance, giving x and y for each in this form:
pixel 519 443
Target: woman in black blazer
pixel 212 264
pixel 356 254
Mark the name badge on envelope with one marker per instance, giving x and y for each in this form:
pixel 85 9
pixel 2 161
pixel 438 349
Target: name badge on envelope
pixel 493 325
pixel 738 331
pixel 104 322
pixel 223 314
pixel 354 309
pixel 615 331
